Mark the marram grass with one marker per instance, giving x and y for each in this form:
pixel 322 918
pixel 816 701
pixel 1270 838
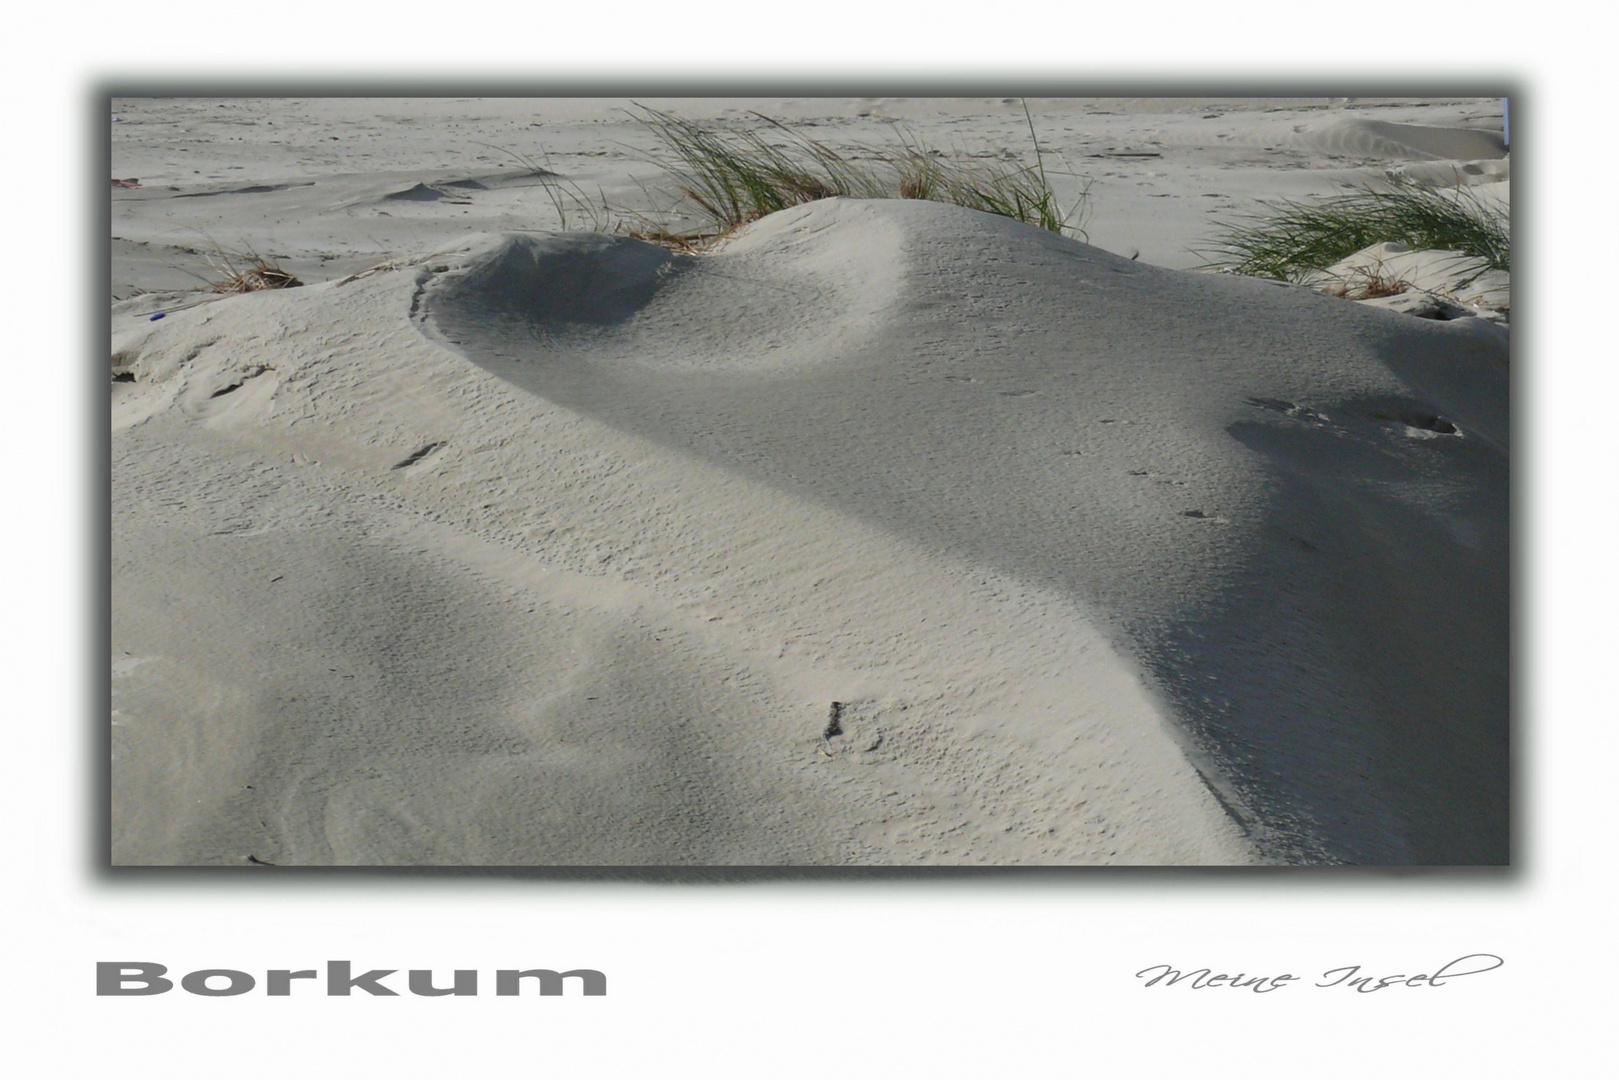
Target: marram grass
pixel 1295 241
pixel 733 177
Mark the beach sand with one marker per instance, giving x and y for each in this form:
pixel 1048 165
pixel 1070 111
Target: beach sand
pixel 885 532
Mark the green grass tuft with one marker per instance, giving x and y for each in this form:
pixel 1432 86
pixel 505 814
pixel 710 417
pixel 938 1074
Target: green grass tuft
pixel 738 177
pixel 735 177
pixel 1294 241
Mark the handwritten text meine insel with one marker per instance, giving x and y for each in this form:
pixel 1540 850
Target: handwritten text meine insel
pixel 1348 976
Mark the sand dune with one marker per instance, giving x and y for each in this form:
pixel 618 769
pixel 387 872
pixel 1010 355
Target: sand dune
pixel 1270 498
pixel 1379 138
pixel 886 533
pixel 448 621
pixel 1080 421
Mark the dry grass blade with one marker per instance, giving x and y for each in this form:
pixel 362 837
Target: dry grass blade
pixel 259 276
pixel 1370 287
pixel 245 271
pixel 565 196
pixel 389 266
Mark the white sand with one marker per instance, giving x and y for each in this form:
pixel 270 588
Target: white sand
pixel 542 549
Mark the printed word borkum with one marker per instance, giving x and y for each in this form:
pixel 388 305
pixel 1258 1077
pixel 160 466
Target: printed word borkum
pixel 136 979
